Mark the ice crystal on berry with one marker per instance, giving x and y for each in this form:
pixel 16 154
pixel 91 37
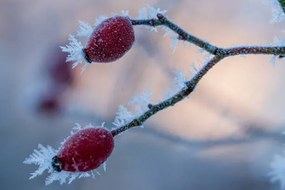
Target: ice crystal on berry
pixel 43 159
pixel 85 29
pixel 75 53
pixel 99 20
pixel 107 41
pixel 110 40
pixel 125 13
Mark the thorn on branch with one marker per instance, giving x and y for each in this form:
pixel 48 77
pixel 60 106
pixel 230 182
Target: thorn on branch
pixel 136 122
pixel 182 37
pixel 160 16
pixel 149 106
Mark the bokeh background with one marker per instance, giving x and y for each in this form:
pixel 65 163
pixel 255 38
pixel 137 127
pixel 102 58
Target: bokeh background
pixel 223 137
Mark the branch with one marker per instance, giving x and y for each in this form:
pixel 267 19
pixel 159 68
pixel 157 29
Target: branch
pixel 183 35
pixel 217 52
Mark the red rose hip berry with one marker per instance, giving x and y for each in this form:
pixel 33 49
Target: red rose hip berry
pixel 84 151
pixel 110 40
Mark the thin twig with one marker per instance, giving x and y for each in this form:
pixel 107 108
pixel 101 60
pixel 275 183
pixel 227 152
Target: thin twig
pixel 182 34
pixel 218 55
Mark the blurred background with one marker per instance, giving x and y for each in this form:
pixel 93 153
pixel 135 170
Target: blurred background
pixel 223 137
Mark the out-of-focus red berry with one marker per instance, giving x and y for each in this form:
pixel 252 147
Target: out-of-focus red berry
pixel 49 104
pixel 60 72
pixel 110 40
pixel 85 150
pixel 59 77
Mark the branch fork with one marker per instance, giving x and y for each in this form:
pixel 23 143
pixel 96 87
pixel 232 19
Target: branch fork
pixel 217 53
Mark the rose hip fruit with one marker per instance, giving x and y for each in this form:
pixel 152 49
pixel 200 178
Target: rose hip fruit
pixel 84 151
pixel 110 40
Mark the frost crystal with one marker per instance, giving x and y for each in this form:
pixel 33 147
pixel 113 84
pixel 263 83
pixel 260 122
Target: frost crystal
pixel 276 42
pixel 75 53
pixel 178 84
pixel 105 166
pixel 179 79
pixel 43 159
pixel 99 20
pixel 174 43
pixel 141 102
pixel 65 177
pixel 277 167
pixel 150 12
pixel 277 12
pixel 123 116
pixel 85 29
pixel 125 13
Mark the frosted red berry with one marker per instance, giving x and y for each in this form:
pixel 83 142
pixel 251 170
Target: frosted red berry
pixel 84 151
pixel 110 40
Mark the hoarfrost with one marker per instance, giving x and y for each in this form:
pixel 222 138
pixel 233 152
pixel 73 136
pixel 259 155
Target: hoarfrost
pixel 123 116
pixel 125 13
pixel 277 12
pixel 75 53
pixel 43 159
pixel 276 42
pixel 105 166
pixel 140 102
pixel 85 29
pixel 150 12
pixel 178 84
pixel 179 79
pixel 99 20
pixel 174 43
pixel 65 177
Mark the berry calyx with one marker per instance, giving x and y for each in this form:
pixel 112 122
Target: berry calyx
pixel 110 40
pixel 84 151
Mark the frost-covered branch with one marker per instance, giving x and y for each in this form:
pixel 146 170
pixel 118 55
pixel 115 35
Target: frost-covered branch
pixel 183 35
pixel 109 40
pixel 219 54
